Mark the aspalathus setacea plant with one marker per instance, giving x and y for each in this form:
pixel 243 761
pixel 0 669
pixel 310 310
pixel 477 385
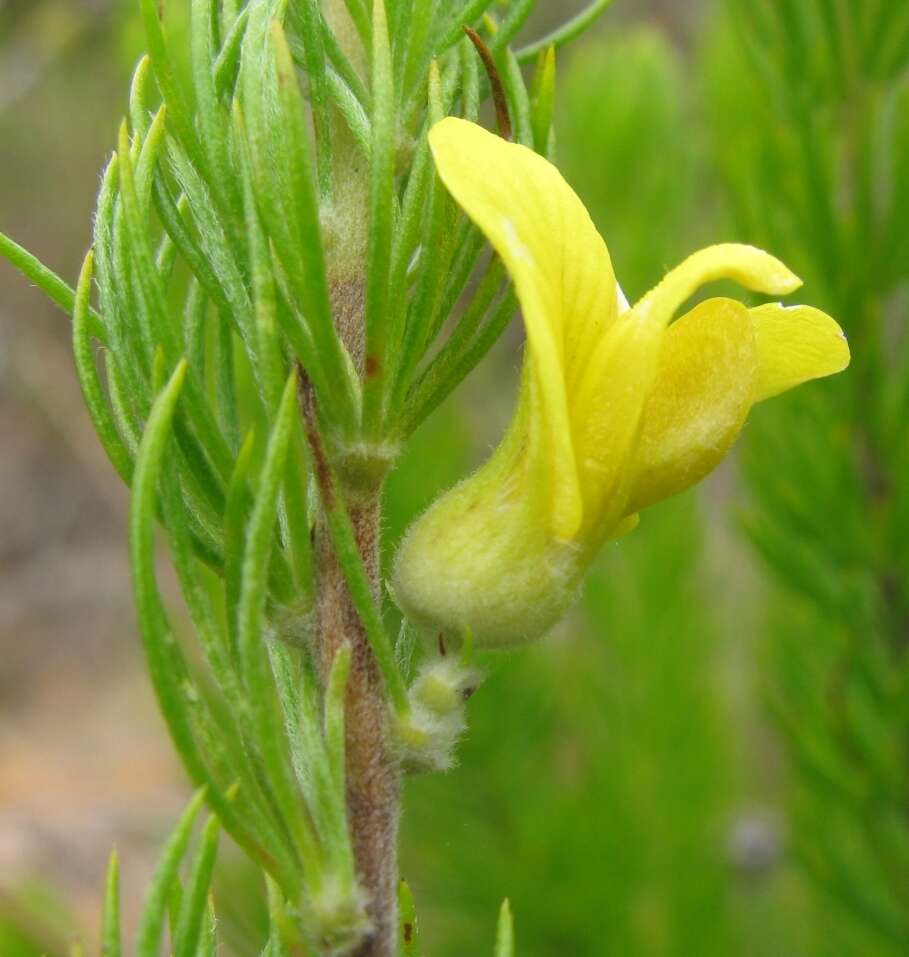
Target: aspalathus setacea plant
pixel 289 273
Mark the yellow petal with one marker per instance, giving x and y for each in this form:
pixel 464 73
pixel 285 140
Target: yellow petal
pixel 561 271
pixel 609 400
pixel 795 344
pixel 704 388
pixel 607 410
pixel 746 265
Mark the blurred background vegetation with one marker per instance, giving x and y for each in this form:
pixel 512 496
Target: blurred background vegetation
pixel 710 755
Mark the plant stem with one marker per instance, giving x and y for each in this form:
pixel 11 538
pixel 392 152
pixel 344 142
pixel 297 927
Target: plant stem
pixel 372 779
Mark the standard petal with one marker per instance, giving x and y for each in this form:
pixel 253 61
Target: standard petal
pixel 705 385
pixel 560 267
pixel 795 344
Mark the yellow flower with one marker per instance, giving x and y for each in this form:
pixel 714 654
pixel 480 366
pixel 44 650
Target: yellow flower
pixel 619 407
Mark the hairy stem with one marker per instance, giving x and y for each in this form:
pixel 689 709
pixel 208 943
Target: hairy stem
pixel 372 779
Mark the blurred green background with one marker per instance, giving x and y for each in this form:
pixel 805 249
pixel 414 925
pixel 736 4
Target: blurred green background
pixel 711 755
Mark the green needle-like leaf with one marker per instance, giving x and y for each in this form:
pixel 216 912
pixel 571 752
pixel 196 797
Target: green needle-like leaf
pixel 194 905
pixel 151 924
pixel 409 936
pixel 111 938
pixel 49 282
pixel 92 390
pixel 334 715
pixel 251 630
pixel 518 99
pixel 518 12
pixel 543 101
pixel 227 63
pixel 281 168
pixel 505 932
pixel 467 16
pixel 212 118
pixel 168 81
pixel 310 19
pixel 564 33
pixel 139 109
pixel 381 224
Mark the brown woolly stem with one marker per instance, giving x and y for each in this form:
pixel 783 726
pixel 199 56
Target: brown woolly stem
pixel 373 790
pixel 372 779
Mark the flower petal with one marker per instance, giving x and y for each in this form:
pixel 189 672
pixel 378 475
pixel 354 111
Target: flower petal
pixel 746 265
pixel 795 344
pixel 560 267
pixel 704 389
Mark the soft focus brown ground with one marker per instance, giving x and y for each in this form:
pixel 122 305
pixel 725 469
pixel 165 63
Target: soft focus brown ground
pixel 84 763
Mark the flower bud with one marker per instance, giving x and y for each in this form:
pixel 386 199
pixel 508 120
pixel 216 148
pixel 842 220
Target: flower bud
pixel 428 733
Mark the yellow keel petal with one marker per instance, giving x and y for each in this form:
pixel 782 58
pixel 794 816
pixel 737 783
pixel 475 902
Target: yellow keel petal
pixel 795 344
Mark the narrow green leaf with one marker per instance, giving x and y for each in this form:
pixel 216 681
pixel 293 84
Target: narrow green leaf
pixel 111 938
pixel 543 101
pixel 251 631
pixel 310 20
pixel 92 390
pixel 157 326
pixel 152 319
pixel 505 932
pixel 413 53
pixel 470 67
pixel 344 68
pixel 166 666
pixel 279 153
pixel 297 519
pixel 467 16
pixel 359 14
pixel 151 924
pixel 334 716
pixel 220 251
pixel 271 371
pixel 195 257
pixel 227 64
pixel 236 515
pixel 518 99
pixel 276 921
pixel 566 32
pixel 208 946
pixel 211 117
pixel 168 82
pixel 225 383
pixel 435 387
pixel 352 110
pixel 453 352
pixel 125 418
pixel 194 906
pixel 435 260
pixel 300 695
pixel 139 109
pixel 49 282
pixel 381 224
pixel 409 937
pixel 518 12
pixel 195 313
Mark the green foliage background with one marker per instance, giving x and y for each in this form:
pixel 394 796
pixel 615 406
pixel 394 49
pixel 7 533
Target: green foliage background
pixel 710 755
